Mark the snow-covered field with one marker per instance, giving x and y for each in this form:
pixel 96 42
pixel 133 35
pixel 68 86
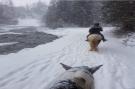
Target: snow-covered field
pixel 34 68
pixel 22 23
pixel 8 43
pixel 28 22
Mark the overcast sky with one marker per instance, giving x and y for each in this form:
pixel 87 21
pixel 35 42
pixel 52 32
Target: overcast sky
pixel 25 2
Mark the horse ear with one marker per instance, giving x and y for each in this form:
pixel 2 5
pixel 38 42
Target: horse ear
pixel 94 69
pixel 66 67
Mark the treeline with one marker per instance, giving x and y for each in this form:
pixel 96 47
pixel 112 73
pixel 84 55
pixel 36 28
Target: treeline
pixel 69 13
pixel 120 13
pixel 9 14
pixel 83 13
pixel 36 10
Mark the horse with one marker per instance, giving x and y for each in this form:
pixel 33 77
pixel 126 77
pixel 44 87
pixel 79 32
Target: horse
pixel 94 40
pixel 75 78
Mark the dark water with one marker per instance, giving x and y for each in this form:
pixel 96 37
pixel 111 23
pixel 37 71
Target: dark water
pixel 28 38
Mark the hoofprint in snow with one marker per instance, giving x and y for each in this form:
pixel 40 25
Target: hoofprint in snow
pixel 35 68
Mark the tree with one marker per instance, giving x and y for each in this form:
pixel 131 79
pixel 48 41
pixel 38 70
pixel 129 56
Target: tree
pixel 7 15
pixel 65 12
pixel 121 13
pixel 38 9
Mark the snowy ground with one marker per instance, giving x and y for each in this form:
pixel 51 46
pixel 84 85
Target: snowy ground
pixel 28 22
pixel 34 68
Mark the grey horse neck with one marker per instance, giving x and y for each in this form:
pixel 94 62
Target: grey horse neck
pixel 66 84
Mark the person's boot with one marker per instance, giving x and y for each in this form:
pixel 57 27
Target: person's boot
pixel 104 40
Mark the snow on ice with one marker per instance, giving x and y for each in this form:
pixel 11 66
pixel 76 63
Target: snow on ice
pixel 8 43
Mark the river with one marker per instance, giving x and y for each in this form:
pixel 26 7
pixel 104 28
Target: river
pixel 14 38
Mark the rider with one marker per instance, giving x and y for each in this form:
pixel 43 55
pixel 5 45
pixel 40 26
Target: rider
pixel 96 29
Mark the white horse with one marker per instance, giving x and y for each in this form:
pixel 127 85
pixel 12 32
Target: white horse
pixel 75 78
pixel 94 40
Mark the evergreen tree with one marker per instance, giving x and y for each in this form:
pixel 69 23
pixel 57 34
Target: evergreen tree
pixel 64 12
pixel 7 15
pixel 121 13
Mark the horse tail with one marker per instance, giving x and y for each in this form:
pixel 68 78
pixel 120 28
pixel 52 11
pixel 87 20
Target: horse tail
pixel 94 40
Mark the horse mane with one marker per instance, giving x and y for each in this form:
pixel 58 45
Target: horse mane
pixel 65 84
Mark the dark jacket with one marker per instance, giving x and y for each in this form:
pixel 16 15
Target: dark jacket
pixel 95 30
